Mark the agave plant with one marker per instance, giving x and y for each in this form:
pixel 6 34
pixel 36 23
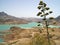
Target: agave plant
pixel 43 8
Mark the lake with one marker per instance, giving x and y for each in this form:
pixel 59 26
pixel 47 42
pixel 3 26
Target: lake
pixel 29 25
pixel 1 40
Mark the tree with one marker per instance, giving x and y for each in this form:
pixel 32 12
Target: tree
pixel 44 11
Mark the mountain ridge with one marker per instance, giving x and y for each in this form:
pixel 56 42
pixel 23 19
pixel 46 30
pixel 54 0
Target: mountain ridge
pixel 7 19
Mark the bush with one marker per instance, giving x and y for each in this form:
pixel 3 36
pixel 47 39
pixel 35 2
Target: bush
pixel 41 40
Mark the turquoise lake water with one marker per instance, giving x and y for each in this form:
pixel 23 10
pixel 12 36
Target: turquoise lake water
pixel 29 25
pixel 1 40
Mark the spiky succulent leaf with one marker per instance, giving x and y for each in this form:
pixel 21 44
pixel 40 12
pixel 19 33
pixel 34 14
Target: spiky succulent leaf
pixel 50 12
pixel 39 13
pixel 39 7
pixel 38 25
pixel 42 15
pixel 47 8
pixel 41 3
pixel 42 10
pixel 44 18
pixel 46 13
pixel 51 18
pixel 44 5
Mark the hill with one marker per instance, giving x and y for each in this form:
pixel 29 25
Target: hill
pixel 7 19
pixel 58 19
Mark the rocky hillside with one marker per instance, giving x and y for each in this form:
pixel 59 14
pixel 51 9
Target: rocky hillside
pixel 32 19
pixel 58 19
pixel 7 19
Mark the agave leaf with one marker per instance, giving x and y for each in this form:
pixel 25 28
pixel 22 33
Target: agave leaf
pixel 44 5
pixel 39 7
pixel 38 25
pixel 39 13
pixel 42 15
pixel 46 13
pixel 44 18
pixel 51 18
pixel 47 8
pixel 50 12
pixel 41 3
pixel 42 10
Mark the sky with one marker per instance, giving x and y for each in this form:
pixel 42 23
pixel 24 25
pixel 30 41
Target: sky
pixel 28 8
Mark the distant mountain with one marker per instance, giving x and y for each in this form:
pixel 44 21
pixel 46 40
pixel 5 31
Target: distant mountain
pixel 7 19
pixel 32 19
pixel 58 19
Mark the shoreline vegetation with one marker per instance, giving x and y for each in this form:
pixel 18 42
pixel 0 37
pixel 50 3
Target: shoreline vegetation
pixel 18 36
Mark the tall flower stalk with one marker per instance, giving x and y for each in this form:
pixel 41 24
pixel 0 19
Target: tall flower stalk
pixel 44 12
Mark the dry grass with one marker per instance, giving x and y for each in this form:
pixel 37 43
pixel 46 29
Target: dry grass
pixel 30 36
